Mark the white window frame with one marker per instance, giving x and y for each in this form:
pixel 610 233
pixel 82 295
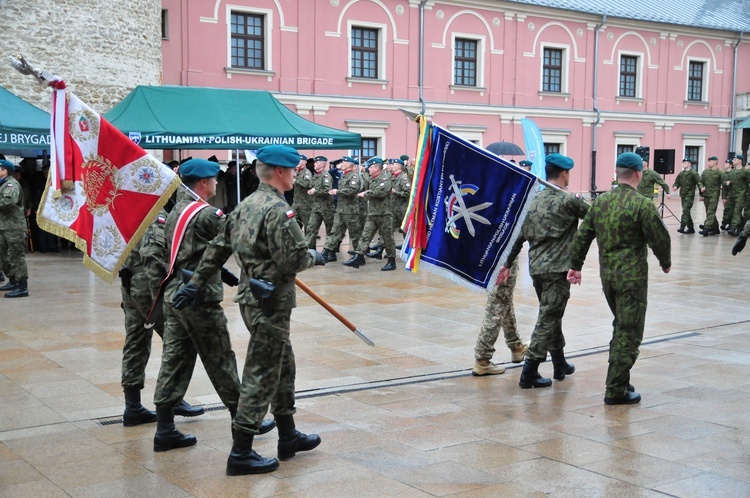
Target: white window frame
pixel 701 143
pixel 472 133
pixel 704 86
pixel 565 61
pixel 638 74
pixel 268 23
pixel 370 129
pixel 382 62
pixel 481 44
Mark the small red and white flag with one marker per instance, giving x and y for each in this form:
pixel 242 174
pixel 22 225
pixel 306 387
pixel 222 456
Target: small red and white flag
pixel 103 189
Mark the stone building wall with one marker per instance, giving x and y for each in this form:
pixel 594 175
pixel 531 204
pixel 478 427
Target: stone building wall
pixel 101 48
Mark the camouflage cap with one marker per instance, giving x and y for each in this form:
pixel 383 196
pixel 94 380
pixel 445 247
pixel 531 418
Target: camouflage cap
pixel 559 161
pixel 630 160
pixel 282 156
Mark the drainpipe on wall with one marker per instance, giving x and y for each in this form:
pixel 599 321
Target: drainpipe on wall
pixel 421 55
pixel 734 95
pixel 596 109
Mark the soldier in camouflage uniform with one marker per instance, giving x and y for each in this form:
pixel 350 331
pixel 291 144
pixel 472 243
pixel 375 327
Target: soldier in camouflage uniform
pixel 12 233
pixel 201 330
pixel 347 210
pixel 302 202
pixel 686 182
pixel 651 178
pixel 400 191
pixel 739 186
pixel 710 192
pixel 727 199
pixel 549 227
pixel 140 277
pixel 379 218
pixel 624 224
pixel 739 245
pixel 268 245
pixel 323 209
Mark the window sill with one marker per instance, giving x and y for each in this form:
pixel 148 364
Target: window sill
pixel 253 72
pixel 629 99
pixel 697 102
pixel 468 88
pixel 369 81
pixel 553 94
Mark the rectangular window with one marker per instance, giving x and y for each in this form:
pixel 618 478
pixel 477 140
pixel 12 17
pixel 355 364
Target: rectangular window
pixel 695 81
pixel 465 62
pixel 369 148
pixel 551 149
pixel 628 75
pixel 164 24
pixel 693 153
pixel 248 41
pixel 552 70
pixel 621 149
pixel 364 53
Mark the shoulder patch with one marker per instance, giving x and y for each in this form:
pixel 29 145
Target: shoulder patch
pixel 218 213
pixel 161 219
pixel 290 214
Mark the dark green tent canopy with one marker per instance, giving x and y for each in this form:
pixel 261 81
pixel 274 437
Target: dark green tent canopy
pixel 179 117
pixel 23 127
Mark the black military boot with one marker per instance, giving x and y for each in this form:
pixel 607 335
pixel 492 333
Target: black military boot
pixel 243 460
pixel 11 285
pixel 377 253
pixel 561 367
pixel 356 261
pixel 21 289
pixel 328 255
pixel 2 277
pixel 681 229
pixel 167 436
pixel 291 440
pixel 185 409
pixel 530 376
pixel 390 265
pixel 690 230
pixel 135 412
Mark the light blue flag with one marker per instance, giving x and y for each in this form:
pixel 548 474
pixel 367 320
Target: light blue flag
pixel 534 147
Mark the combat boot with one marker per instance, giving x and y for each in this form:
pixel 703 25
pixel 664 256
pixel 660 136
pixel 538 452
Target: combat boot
pixel 715 231
pixel 560 366
pixel 167 436
pixel 517 354
pixel 681 229
pixel 530 376
pixel 328 255
pixel 356 261
pixel 2 277
pixel 486 367
pixel 690 230
pixel 135 412
pixel 11 285
pixel 185 409
pixel 390 265
pixel 377 253
pixel 243 460
pixel 21 289
pixel 629 398
pixel 291 440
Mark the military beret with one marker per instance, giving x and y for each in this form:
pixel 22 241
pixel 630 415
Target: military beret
pixel 199 168
pixel 374 160
pixel 404 157
pixel 320 158
pixel 282 156
pixel 559 161
pixel 348 159
pixel 7 165
pixel 394 161
pixel 712 158
pixel 739 156
pixel 302 157
pixel 630 160
pixel 526 162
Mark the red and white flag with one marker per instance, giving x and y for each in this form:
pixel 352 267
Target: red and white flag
pixel 103 189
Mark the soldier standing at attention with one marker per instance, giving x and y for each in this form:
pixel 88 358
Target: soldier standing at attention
pixel 140 278
pixel 201 330
pixel 711 180
pixel 270 249
pixel 12 233
pixel 686 182
pixel 549 227
pixel 624 225
pixel 651 178
pixel 347 210
pixel 302 183
pixel 323 208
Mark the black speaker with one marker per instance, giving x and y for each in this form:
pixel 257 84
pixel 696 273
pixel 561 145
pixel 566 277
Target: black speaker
pixel 664 161
pixel 644 152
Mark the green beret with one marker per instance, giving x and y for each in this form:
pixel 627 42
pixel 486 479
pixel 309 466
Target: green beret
pixel 302 157
pixel 199 168
pixel 739 156
pixel 320 158
pixel 4 163
pixel 394 161
pixel 712 158
pixel 404 158
pixel 374 160
pixel 559 161
pixel 282 156
pixel 630 160
pixel 526 162
pixel 348 159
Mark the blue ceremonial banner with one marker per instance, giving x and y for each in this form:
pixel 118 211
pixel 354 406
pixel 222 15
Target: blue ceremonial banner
pixel 475 206
pixel 532 138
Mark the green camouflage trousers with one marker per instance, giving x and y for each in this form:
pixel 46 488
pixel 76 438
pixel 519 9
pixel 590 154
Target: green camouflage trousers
pixel 318 218
pixel 726 217
pixel 201 330
pixel 270 370
pixel 383 224
pixel 137 347
pixel 711 204
pixel 499 313
pixel 687 206
pixel 738 218
pixel 627 300
pixel 13 249
pixel 553 291
pixel 342 223
pixel 303 214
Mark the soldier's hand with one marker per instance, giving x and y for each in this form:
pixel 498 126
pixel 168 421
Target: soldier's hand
pixel 574 277
pixel 739 245
pixel 229 278
pixel 502 277
pixel 189 294
pixel 667 269
pixel 319 259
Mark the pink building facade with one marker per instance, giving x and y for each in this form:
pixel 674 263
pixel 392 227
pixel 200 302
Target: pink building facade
pixel 595 86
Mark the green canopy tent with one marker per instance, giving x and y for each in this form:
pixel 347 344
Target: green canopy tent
pixel 178 117
pixel 24 129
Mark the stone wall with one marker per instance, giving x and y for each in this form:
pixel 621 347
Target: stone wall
pixel 101 48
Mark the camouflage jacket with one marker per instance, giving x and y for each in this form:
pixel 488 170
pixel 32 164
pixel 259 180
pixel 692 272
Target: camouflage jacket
pixel 401 186
pixel 379 196
pixel 322 201
pixel 648 180
pixel 711 179
pixel 302 184
pixel 738 180
pixel 624 225
pixel 687 182
pixel 203 227
pixel 349 186
pixel 267 244
pixel 12 216
pixel 549 228
pixel 147 261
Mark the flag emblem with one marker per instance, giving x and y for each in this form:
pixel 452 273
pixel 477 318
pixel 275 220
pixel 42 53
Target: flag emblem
pixel 100 184
pixel 456 209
